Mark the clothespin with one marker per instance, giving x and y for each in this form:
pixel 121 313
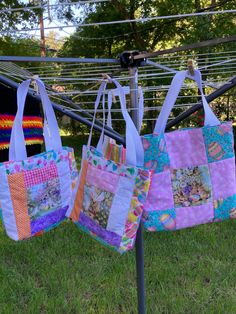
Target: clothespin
pixel 106 77
pixel 190 67
pixel 35 85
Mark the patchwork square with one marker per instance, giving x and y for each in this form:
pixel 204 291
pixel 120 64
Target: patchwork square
pixel 219 141
pixel 102 179
pixel 191 186
pixel 97 204
pixel 191 216
pixel 160 195
pixel 223 178
pixel 43 198
pixel 225 208
pixel 155 154
pixel 37 176
pixel 186 148
pixel 160 220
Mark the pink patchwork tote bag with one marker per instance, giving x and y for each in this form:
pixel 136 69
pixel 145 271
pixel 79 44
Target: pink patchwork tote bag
pixel 108 200
pixel 35 192
pixel 193 179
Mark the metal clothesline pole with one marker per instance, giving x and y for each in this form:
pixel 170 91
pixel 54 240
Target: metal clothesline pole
pixel 133 72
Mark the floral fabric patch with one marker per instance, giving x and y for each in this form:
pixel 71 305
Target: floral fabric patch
pixel 191 186
pixel 43 198
pixel 97 204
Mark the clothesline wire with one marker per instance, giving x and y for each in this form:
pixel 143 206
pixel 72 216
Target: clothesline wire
pixel 80 72
pixel 68 73
pixel 141 75
pixel 117 66
pixel 97 69
pixel 28 8
pixel 141 20
pixel 85 93
pixel 121 78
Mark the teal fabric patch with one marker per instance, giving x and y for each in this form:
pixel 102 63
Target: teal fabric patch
pixel 161 220
pixel 219 141
pixel 225 208
pixel 155 149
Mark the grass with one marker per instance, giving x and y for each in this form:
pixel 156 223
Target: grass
pixel 191 271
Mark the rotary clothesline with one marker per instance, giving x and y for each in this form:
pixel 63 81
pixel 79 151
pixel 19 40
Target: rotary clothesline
pixel 226 65
pixel 9 68
pixel 139 252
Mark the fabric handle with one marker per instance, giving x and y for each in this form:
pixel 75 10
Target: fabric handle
pixel 134 147
pixel 173 92
pixel 17 147
pixel 114 93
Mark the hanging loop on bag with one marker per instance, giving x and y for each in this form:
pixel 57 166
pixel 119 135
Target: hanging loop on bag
pixel 134 147
pixel 111 99
pixel 173 92
pixel 17 148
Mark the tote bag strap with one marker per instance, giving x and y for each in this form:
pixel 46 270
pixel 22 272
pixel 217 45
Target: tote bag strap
pixel 134 147
pixel 17 148
pixel 176 84
pixel 115 92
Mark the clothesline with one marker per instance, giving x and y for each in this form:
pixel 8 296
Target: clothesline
pixel 93 72
pixel 29 8
pixel 185 56
pixel 141 20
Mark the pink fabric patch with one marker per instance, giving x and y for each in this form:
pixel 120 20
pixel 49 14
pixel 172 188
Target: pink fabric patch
pixel 223 178
pixel 37 176
pixel 160 195
pixel 186 148
pixel 196 215
pixel 102 179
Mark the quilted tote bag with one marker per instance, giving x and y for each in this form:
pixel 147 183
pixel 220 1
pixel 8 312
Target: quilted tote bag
pixel 193 179
pixel 35 192
pixel 108 201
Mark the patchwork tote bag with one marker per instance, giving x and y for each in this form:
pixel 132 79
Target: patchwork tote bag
pixel 109 197
pixel 193 180
pixel 35 192
pixel 111 149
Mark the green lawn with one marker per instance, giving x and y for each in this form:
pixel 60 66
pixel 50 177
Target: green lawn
pixel 64 271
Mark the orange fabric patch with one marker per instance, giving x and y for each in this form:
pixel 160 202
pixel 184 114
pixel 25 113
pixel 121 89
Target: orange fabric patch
pixel 19 202
pixel 79 194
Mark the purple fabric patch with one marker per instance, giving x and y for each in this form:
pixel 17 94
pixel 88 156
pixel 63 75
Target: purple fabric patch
pixel 186 148
pixel 196 215
pixel 108 236
pixel 160 195
pixel 46 221
pixel 223 178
